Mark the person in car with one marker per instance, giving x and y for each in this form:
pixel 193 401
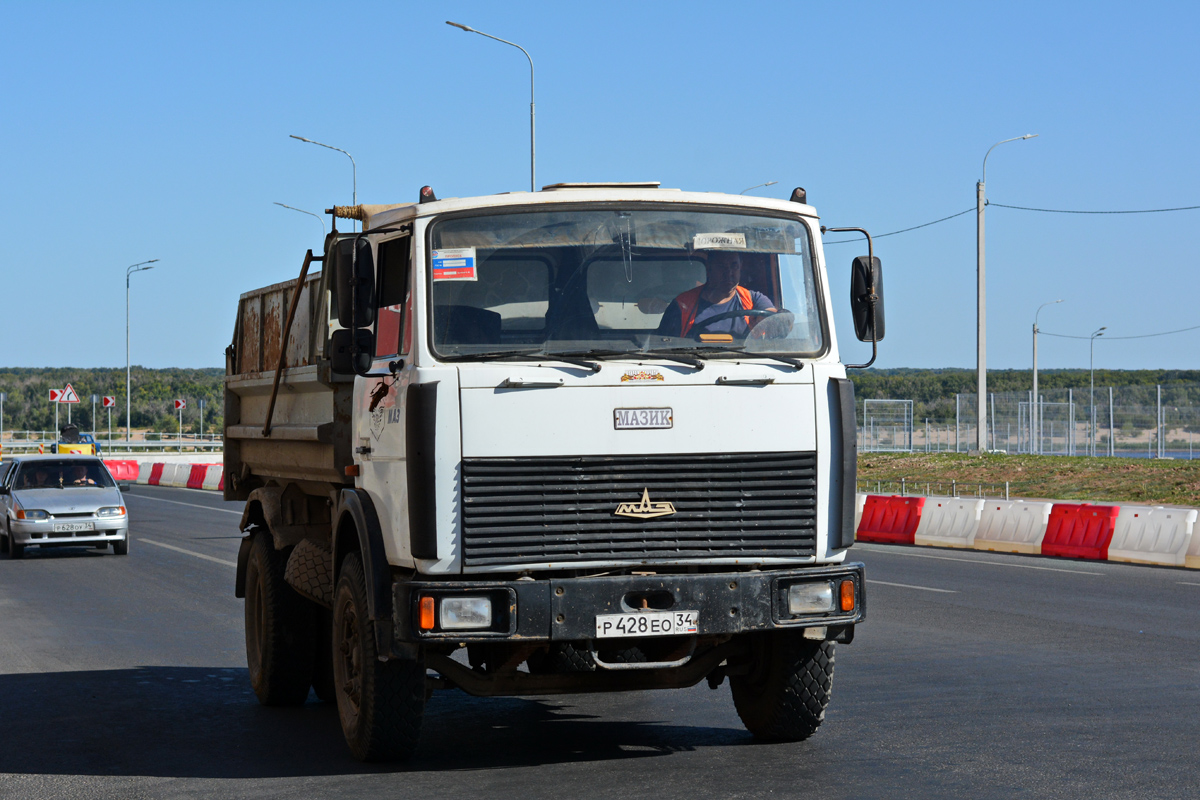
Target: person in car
pixel 79 476
pixel 38 479
pixel 721 293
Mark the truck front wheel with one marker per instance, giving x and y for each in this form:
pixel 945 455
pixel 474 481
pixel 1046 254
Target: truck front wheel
pixel 380 703
pixel 280 629
pixel 784 695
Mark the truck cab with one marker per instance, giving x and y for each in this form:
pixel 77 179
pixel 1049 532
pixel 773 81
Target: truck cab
pixel 594 438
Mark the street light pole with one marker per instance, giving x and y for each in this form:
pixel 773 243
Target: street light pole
pixel 532 125
pixel 1035 405
pixel 1092 386
pixel 353 174
pixel 758 186
pixel 138 267
pixel 981 302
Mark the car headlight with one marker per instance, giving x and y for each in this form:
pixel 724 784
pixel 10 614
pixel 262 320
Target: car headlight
pixel 458 613
pixel 810 598
pixel 32 514
pixel 111 511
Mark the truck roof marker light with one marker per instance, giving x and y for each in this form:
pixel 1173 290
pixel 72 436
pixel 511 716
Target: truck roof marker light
pixel 799 195
pixel 425 620
pixel 846 591
pixel 427 195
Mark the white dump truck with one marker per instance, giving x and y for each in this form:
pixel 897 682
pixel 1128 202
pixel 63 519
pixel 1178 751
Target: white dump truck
pixel 594 438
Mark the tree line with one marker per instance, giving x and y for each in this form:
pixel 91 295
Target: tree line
pixel 153 392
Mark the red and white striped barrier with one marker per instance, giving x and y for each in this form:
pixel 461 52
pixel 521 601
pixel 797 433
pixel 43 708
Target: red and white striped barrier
pixel 179 475
pixel 1137 534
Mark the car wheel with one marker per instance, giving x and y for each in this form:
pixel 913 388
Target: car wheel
pixel 280 628
pixel 380 703
pixel 15 551
pixel 121 548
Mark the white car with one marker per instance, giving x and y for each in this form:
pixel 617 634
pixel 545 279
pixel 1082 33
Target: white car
pixel 61 500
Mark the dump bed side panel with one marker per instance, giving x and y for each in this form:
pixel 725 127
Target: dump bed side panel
pixel 309 442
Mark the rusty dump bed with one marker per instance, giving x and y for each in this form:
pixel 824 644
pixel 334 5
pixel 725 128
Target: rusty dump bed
pixel 309 440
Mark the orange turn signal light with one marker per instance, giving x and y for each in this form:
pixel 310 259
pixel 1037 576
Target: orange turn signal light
pixel 426 616
pixel 847 595
pixel 352 471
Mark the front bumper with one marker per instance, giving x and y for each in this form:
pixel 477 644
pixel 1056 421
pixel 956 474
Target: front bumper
pixel 29 533
pixel 565 609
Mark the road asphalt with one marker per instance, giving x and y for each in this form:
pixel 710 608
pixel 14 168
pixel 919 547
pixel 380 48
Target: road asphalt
pixel 975 675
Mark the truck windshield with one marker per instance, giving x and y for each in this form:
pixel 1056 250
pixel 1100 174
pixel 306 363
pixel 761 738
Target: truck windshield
pixel 611 281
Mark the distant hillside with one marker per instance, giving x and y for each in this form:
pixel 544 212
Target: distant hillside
pixel 27 407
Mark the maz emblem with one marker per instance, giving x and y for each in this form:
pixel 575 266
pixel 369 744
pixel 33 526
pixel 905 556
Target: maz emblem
pixel 644 509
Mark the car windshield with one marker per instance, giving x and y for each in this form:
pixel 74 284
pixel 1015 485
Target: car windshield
pixel 613 281
pixel 62 474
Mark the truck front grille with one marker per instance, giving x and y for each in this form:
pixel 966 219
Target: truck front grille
pixel 562 509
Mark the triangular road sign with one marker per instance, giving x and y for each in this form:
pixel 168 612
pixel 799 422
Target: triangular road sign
pixel 68 395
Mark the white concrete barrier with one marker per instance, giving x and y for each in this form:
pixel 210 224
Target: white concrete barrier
pixel 144 470
pixel 949 522
pixel 1012 526
pixel 175 475
pixel 1152 535
pixel 212 476
pixel 1192 559
pixel 860 500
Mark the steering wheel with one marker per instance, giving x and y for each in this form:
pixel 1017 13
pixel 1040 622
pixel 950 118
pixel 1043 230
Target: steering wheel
pixel 746 312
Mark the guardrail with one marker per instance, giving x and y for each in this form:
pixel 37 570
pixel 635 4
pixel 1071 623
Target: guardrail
pixel 905 487
pixel 106 448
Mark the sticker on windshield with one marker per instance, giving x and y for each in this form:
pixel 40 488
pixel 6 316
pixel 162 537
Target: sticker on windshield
pixel 454 264
pixel 710 241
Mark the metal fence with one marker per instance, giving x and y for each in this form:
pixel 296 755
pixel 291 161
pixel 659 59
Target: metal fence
pixel 887 426
pixel 1129 421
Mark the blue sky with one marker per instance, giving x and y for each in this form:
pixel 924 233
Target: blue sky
pixel 159 130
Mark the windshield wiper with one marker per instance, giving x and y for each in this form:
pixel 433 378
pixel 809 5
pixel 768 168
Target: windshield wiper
pixel 794 362
pixel 533 355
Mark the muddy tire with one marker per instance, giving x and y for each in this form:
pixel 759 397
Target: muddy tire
pixel 783 698
pixel 280 629
pixel 380 703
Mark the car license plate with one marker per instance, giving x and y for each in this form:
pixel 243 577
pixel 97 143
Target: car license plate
pixel 72 527
pixel 633 419
pixel 647 623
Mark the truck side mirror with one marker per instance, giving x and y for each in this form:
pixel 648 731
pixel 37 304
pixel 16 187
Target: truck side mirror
pixel 342 358
pixel 355 278
pixel 866 283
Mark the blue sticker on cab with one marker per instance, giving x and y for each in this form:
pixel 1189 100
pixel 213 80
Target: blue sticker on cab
pixel 454 264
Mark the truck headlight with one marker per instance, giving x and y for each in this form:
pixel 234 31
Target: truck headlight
pixel 111 511
pixel 810 598
pixel 31 514
pixel 461 613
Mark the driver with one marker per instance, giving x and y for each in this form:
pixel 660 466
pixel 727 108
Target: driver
pixel 720 294
pixel 79 476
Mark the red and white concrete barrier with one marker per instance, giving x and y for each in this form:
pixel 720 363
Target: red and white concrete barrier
pixel 1137 534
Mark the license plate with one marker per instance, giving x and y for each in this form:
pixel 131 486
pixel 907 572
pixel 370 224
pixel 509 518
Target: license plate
pixel 633 419
pixel 72 527
pixel 647 623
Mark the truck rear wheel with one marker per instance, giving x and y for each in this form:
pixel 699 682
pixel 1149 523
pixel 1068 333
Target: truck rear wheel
pixel 783 698
pixel 380 703
pixel 323 663
pixel 280 629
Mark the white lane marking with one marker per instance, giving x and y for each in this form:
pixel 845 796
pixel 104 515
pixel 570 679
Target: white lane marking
pixel 180 503
pixel 910 586
pixel 1185 583
pixel 974 561
pixel 188 552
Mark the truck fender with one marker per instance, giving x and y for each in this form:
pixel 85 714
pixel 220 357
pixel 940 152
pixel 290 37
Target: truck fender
pixel 239 581
pixel 356 509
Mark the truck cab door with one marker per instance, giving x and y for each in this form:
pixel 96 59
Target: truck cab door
pixel 380 413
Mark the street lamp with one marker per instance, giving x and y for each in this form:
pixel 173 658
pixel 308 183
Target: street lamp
pixel 532 138
pixel 138 267
pixel 353 170
pixel 1092 388
pixel 981 312
pixel 319 220
pixel 1033 408
pixel 758 186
